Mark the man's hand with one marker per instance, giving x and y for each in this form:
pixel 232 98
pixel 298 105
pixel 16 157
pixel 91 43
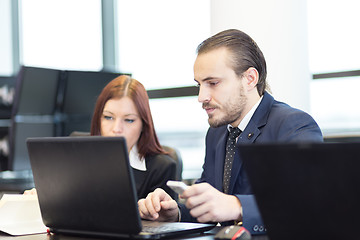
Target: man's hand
pixel 159 206
pixel 207 204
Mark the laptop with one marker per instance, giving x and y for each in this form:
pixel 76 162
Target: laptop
pixel 85 186
pixel 306 191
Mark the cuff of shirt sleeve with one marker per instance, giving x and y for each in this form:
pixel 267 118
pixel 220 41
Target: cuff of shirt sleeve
pixel 239 221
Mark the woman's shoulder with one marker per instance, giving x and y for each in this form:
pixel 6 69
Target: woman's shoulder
pixel 160 160
pixel 163 166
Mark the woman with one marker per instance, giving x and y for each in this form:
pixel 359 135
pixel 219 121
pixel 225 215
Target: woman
pixel 122 109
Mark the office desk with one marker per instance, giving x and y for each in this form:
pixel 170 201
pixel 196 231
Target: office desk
pixel 205 236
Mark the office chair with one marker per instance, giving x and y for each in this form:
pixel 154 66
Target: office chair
pixel 79 134
pixel 173 153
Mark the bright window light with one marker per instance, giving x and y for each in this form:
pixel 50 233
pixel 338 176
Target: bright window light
pixel 333 35
pixel 157 45
pixel 334 47
pixel 6 68
pixel 158 39
pixel 62 34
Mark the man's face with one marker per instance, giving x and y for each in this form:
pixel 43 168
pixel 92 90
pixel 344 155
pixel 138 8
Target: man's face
pixel 221 91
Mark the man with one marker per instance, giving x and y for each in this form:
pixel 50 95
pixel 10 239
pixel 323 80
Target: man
pixel 230 71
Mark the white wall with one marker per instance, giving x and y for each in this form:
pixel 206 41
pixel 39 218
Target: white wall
pixel 280 29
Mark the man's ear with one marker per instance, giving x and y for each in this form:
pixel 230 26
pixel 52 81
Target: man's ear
pixel 252 77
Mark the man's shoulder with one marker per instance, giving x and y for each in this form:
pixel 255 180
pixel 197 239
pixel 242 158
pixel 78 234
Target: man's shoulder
pixel 282 109
pixel 274 105
pixel 274 111
pixel 291 124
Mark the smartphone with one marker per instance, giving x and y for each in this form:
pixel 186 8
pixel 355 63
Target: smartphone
pixel 178 186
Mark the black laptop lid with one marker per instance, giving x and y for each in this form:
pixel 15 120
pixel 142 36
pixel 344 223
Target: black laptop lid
pixel 306 191
pixel 80 182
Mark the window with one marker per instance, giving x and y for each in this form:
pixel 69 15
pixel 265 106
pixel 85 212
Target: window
pixel 62 34
pixel 336 103
pixel 182 124
pixel 334 48
pixel 6 68
pixel 158 47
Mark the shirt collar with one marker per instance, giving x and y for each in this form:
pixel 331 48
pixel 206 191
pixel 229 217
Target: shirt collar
pixel 135 160
pixel 247 117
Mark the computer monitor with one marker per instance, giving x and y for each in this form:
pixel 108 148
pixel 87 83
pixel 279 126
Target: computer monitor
pixel 19 158
pixel 6 96
pixel 81 90
pixel 6 99
pixel 36 91
pixel 35 99
pixel 49 102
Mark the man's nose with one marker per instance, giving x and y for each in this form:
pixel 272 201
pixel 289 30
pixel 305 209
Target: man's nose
pixel 204 95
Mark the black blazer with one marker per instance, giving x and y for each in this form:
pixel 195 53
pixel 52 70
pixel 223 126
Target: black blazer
pixel 159 169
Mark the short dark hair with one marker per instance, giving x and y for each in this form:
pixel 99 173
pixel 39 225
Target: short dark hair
pixel 245 53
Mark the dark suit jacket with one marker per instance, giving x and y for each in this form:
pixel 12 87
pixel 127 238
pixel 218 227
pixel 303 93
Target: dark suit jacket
pixel 272 121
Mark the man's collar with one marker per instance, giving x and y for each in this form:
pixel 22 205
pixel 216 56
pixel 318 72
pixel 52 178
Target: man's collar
pixel 247 117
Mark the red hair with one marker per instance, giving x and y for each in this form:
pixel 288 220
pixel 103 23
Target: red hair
pixel 125 86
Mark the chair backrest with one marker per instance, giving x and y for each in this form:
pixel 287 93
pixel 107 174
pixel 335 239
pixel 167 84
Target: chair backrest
pixel 173 153
pixel 79 134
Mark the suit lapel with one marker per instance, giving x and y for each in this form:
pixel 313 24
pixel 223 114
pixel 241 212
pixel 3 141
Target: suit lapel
pixel 220 154
pixel 250 134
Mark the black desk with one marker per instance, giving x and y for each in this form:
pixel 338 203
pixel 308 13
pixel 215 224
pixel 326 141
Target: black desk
pixel 205 236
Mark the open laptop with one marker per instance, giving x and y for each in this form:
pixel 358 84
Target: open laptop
pixel 308 190
pixel 85 186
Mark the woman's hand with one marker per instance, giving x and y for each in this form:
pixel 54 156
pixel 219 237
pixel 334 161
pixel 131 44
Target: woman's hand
pixel 30 192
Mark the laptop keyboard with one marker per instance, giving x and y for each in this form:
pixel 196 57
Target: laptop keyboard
pixel 159 229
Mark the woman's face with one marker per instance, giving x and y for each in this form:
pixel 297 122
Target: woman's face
pixel 120 117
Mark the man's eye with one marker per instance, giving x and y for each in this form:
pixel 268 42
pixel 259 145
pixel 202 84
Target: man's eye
pixel 213 83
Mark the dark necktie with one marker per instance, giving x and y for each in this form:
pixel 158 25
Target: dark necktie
pixel 229 157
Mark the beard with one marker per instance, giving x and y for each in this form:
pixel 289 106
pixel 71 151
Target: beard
pixel 228 112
